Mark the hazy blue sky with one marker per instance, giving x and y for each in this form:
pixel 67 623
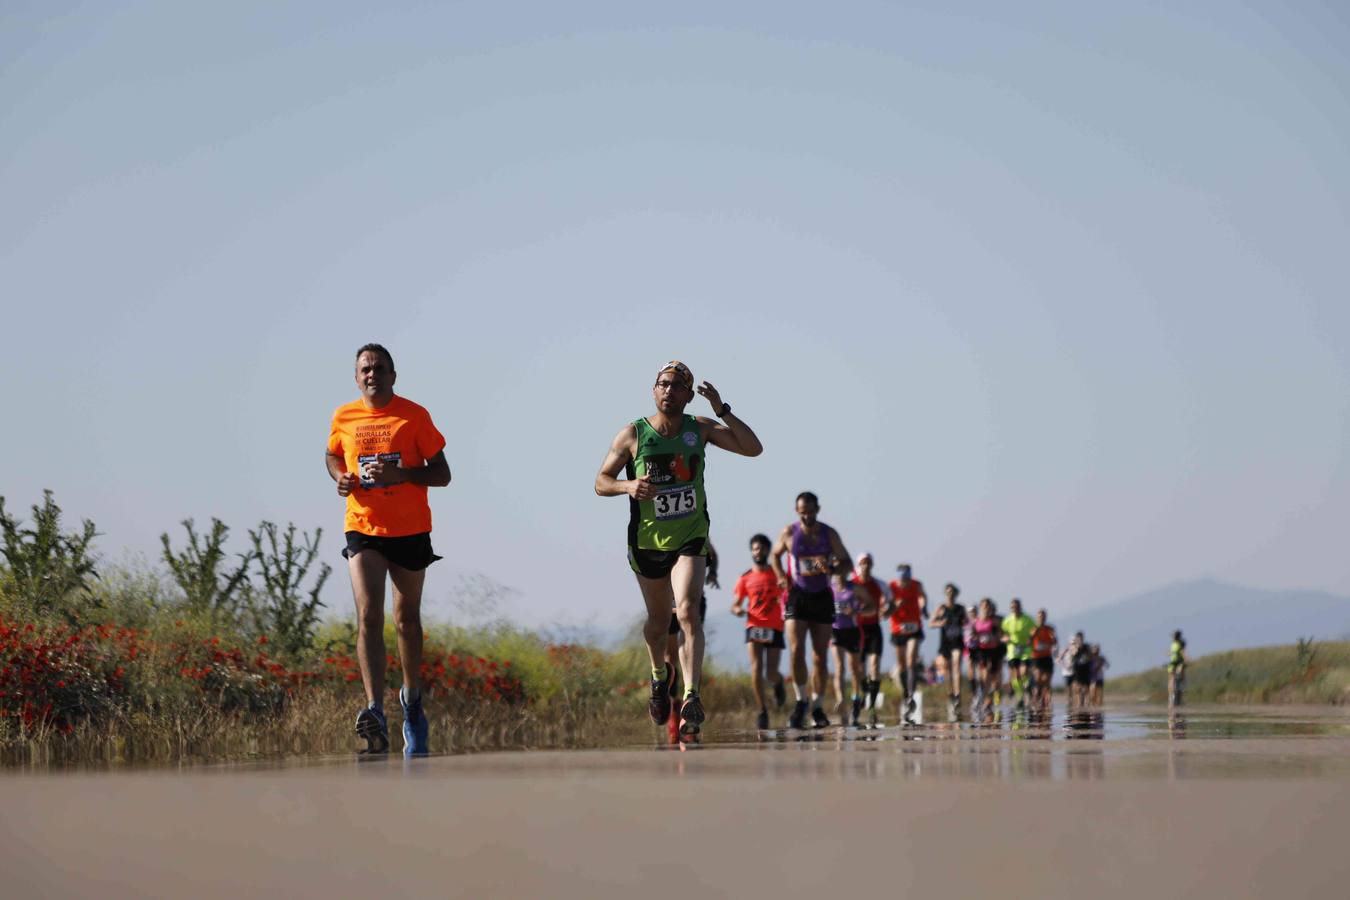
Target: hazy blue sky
pixel 1045 298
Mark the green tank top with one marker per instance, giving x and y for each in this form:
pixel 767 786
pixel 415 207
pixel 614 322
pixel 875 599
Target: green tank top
pixel 678 513
pixel 1176 654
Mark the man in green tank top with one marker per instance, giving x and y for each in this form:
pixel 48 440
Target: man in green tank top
pixel 662 456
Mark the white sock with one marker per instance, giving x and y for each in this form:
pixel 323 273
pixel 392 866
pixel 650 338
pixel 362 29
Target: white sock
pixel 815 701
pixel 799 690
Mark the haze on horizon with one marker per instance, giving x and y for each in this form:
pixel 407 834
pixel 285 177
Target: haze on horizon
pixel 1045 300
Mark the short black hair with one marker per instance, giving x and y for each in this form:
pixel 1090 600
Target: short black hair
pixel 760 537
pixel 956 591
pixel 809 498
pixel 377 348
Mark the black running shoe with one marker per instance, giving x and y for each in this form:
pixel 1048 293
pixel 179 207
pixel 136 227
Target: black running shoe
pixel 779 694
pixel 762 720
pixel 857 710
pixel 371 725
pixel 798 717
pixel 691 715
pixel 819 718
pixel 659 706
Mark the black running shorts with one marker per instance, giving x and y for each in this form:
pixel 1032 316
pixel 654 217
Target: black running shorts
pixel 1044 664
pixel 947 648
pixel 871 639
pixel 849 639
pixel 412 552
pixel 816 607
pixel 901 640
pixel 656 564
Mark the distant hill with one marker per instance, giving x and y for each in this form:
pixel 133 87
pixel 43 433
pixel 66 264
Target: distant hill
pixel 1135 632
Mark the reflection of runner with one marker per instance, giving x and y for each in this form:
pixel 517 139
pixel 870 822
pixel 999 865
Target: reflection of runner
pixel 384 452
pixel 815 552
pixel 847 640
pixel 760 599
pixel 874 595
pixel 1176 669
pixel 663 455
pixel 1017 628
pixel 907 610
pixel 1043 644
pixel 950 621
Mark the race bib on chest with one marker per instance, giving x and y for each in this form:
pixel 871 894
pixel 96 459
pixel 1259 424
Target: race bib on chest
pixel 676 503
pixel 909 627
pixel 760 635
pixel 813 565
pixel 365 459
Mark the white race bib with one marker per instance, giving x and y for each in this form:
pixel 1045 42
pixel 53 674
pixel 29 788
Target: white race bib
pixel 909 627
pixel 760 635
pixel 676 503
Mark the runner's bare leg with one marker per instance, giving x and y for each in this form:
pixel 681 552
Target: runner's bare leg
pixel 658 598
pixel 368 569
pixel 686 581
pixel 797 631
pixel 771 657
pixel 757 654
pixel 838 679
pixel 408 622
pixel 820 649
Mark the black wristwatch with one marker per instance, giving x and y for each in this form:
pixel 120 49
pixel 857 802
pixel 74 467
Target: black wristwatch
pixel 726 408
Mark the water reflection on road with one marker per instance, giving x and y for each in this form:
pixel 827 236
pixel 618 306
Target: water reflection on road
pixel 1079 745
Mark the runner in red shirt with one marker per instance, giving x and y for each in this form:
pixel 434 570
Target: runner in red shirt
pixel 759 598
pixel 875 595
pixel 1044 642
pixel 907 609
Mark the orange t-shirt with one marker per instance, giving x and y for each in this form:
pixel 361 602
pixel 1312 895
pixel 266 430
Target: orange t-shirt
pixel 908 609
pixel 400 432
pixel 1042 641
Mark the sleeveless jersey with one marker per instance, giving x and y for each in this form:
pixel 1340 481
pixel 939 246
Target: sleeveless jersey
pixel 678 513
pixel 811 557
pixel 1042 641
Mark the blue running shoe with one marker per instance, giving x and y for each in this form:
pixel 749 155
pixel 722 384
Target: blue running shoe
pixel 414 725
pixel 371 725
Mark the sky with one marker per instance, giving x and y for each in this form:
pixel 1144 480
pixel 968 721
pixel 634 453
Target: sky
pixel 1046 299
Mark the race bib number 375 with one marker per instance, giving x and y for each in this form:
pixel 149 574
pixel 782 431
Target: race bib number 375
pixel 676 503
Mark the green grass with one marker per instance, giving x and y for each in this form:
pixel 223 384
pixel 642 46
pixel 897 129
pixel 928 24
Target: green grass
pixel 1311 672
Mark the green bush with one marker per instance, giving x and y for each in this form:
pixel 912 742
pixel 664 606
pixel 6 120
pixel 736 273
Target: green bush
pixel 46 569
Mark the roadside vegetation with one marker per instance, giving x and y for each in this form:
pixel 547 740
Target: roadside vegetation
pixel 1307 672
pixel 213 654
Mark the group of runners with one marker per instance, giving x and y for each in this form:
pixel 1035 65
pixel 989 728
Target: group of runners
pixel 803 591
pixel 803 588
pixel 1001 657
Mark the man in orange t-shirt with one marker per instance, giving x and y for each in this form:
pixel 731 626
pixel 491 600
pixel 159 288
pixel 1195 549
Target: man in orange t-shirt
pixel 384 452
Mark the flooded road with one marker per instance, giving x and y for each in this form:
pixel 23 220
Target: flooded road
pixel 1222 802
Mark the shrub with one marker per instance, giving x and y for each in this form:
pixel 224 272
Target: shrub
pixel 197 570
pixel 45 568
pixel 283 609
